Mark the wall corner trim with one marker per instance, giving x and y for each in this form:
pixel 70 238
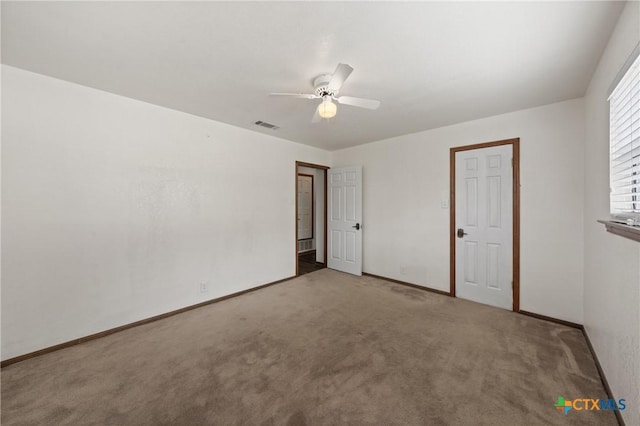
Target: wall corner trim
pixel 580 327
pixel 603 378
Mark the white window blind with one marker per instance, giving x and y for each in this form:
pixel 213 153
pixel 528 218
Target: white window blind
pixel 624 128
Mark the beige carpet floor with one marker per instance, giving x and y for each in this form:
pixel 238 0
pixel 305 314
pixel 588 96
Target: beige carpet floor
pixel 323 349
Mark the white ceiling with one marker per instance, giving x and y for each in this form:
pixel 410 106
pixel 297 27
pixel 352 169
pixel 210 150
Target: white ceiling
pixel 430 64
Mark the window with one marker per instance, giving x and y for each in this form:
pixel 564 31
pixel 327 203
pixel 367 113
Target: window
pixel 624 139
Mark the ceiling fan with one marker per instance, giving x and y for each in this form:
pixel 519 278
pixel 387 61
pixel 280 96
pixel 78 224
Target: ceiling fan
pixel 326 88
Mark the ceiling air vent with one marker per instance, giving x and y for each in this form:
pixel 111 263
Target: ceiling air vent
pixel 267 125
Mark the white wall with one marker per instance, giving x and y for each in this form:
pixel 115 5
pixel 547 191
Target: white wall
pixel 318 208
pixel 406 232
pixel 115 210
pixel 612 263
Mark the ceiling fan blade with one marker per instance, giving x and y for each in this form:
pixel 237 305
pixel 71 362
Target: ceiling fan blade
pixel 296 95
pixel 341 73
pixel 316 117
pixel 358 102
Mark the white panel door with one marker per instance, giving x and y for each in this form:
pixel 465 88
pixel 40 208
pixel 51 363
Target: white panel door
pixel 345 218
pixel 484 225
pixel 305 207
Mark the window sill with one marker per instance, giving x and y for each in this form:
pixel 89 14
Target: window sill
pixel 621 229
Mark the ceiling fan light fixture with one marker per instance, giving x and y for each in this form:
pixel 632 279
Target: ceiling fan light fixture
pixel 327 109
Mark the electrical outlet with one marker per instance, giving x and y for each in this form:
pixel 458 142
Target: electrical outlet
pixel 203 287
pixel 403 270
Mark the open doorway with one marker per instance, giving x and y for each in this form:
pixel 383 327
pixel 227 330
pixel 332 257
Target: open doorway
pixel 311 217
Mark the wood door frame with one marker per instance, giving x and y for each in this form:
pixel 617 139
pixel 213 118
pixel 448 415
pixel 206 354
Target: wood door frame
pixel 515 142
pixel 313 207
pixel 320 167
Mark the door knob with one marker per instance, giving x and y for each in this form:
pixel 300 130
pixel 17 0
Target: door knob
pixel 461 233
pixel 357 226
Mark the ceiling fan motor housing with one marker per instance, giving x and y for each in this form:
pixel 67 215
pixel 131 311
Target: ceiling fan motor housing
pixel 320 84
